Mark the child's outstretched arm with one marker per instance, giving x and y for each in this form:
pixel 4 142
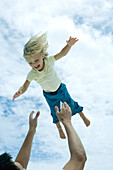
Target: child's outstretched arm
pixel 22 89
pixel 66 49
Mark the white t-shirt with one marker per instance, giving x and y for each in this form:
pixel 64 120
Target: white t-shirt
pixel 47 78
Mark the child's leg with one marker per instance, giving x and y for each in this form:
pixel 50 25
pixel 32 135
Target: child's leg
pixel 86 121
pixel 52 100
pixel 65 97
pixel 62 135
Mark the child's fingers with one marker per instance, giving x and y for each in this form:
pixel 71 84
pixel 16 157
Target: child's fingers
pixel 15 96
pixel 76 40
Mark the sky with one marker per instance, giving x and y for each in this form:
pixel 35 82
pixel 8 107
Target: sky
pixel 87 71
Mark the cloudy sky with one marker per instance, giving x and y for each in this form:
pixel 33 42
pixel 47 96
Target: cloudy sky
pixel 87 71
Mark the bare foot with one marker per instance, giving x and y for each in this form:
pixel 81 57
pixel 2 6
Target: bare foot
pixel 62 135
pixel 86 121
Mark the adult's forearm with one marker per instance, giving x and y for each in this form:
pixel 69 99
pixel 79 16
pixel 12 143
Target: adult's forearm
pixel 75 144
pixel 24 153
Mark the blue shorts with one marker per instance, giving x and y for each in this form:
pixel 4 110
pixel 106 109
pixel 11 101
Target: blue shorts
pixel 61 95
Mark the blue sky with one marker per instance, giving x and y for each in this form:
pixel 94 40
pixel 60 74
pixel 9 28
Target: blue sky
pixel 87 71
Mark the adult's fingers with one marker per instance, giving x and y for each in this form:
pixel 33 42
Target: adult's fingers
pixel 62 105
pixel 57 110
pixel 38 113
pixel 66 105
pixel 31 115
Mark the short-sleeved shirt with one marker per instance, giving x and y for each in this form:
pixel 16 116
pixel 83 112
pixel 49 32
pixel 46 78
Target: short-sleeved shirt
pixel 48 77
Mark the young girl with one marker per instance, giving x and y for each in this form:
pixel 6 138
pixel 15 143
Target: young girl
pixel 43 72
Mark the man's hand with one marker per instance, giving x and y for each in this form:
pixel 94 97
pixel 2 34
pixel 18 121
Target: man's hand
pixel 25 150
pixel 33 122
pixel 72 41
pixel 65 113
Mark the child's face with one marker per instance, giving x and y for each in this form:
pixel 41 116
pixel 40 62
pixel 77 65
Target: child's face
pixel 36 61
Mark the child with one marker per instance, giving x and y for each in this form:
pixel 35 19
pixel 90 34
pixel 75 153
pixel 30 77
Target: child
pixel 43 72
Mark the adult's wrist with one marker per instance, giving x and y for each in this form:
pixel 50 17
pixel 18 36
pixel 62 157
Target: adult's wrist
pixel 32 130
pixel 66 122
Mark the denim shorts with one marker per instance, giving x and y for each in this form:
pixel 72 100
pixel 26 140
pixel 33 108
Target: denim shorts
pixel 61 95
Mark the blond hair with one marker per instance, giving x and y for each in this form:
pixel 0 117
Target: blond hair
pixel 37 44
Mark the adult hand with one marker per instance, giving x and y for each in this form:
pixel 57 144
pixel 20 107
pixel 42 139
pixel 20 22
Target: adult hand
pixel 65 113
pixel 25 150
pixel 33 122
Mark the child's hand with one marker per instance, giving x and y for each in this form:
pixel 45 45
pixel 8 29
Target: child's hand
pixel 18 93
pixel 72 41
